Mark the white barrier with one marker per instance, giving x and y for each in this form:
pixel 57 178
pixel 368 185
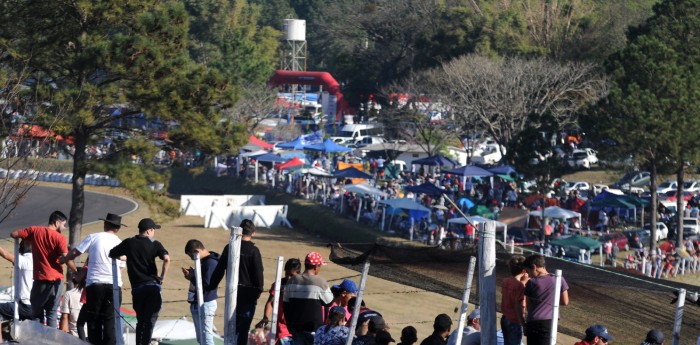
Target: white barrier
pixel 199 205
pixel 266 216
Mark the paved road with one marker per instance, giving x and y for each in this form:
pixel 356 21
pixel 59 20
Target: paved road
pixel 42 200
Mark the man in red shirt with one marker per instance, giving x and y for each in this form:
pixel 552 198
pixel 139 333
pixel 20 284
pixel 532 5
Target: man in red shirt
pixel 513 301
pixel 48 245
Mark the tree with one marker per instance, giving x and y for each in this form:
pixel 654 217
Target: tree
pixel 655 93
pixel 98 62
pixel 504 96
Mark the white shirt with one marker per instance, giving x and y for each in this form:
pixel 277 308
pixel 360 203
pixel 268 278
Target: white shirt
pixel 70 304
pixel 97 246
pixel 470 336
pixel 26 280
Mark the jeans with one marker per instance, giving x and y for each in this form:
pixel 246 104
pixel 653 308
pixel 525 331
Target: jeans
pixel 209 311
pixel 44 298
pixel 244 317
pixel 147 303
pixel 512 332
pixel 7 311
pixel 98 312
pixel 302 338
pixel 285 341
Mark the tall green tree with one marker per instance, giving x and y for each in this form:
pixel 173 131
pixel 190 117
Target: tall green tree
pixel 95 62
pixel 654 101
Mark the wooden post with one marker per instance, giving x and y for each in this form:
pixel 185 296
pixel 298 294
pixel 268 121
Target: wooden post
pixel 200 295
pixel 383 216
pixel 117 303
pixel 234 257
pixel 358 303
pixel 487 283
pixel 276 303
pixel 256 171
pixel 644 265
pixel 601 255
pixel 512 246
pixel 359 211
pixel 555 308
pixel 465 299
pixel 679 317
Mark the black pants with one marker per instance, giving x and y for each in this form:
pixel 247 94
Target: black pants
pixel 538 332
pixel 99 311
pixel 80 323
pixel 147 304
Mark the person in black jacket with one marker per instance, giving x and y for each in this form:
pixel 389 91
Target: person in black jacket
pixel 250 280
pixel 141 252
pixel 208 262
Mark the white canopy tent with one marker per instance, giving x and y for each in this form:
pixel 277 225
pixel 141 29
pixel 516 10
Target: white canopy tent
pixel 315 172
pixel 554 212
pixel 481 220
pixel 364 188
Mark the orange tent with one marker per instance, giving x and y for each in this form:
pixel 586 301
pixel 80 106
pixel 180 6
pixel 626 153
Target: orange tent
pixel 257 142
pixel 358 166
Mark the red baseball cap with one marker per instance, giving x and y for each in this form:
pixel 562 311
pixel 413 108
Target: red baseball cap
pixel 315 258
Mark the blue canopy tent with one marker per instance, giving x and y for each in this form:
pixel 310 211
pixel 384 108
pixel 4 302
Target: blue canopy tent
pixel 352 172
pixel 425 188
pixel 269 157
pixel 415 210
pixel 503 170
pixel 328 146
pixel 437 160
pixel 296 144
pixel 619 202
pixel 469 171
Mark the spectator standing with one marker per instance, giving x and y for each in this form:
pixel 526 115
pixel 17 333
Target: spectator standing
pixel 100 306
pixel 305 295
pixel 291 268
pixel 335 332
pixel 208 262
pixel 48 245
pixel 441 329
pixel 71 305
pixel 347 290
pixel 250 279
pixel 596 335
pixel 409 336
pixel 539 291
pixel 513 301
pixel 141 252
pixel 26 270
pixel 369 330
pixel 654 337
pixel 471 334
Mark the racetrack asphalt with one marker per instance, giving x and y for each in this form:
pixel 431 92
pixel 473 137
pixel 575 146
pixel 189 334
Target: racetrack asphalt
pixel 42 200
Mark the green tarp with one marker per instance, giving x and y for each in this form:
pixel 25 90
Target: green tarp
pixel 577 241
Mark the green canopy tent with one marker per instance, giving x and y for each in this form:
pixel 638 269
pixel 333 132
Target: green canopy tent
pixel 579 242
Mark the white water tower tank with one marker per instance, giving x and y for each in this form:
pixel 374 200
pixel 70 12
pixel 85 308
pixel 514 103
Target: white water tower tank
pixel 295 30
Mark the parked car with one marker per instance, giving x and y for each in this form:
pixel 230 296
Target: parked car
pixel 691 186
pixel 691 226
pixel 666 187
pixel 618 239
pixel 643 237
pixel 598 188
pixel 583 158
pixel 577 185
pixel 661 230
pixel 634 179
pixel 673 195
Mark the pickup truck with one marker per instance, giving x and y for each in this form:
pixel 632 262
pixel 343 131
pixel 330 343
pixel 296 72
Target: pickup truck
pixel 691 226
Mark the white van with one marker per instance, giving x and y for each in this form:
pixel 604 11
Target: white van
pixel 353 133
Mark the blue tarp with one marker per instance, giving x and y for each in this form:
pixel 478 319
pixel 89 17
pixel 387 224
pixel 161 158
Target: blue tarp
pixel 269 157
pixel 295 144
pixel 503 170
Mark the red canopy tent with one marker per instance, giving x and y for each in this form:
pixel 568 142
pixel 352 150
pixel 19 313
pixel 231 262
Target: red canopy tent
pixel 289 164
pixel 257 142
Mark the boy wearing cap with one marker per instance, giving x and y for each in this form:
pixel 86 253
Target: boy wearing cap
pixel 141 252
pixel 250 279
pixel 304 298
pixel 346 291
pixel 654 337
pixel 596 335
pixel 99 303
pixel 471 334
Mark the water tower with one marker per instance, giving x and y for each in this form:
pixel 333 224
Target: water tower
pixel 295 53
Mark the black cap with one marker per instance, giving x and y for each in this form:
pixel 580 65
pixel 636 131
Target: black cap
pixel 147 223
pixel 655 337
